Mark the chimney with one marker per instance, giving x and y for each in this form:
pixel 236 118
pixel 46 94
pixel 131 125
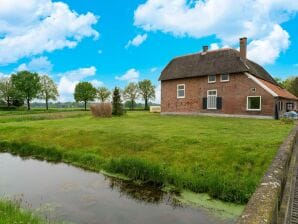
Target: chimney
pixel 205 48
pixel 243 48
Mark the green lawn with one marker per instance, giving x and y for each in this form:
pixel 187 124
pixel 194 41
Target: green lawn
pixel 224 157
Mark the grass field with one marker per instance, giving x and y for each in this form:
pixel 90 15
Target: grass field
pixel 224 157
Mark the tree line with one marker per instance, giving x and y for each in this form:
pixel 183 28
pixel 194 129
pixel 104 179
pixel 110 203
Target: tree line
pixel 290 84
pixel 25 86
pixel 145 90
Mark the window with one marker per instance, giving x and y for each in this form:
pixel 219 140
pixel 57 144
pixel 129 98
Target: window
pixel 254 103
pixel 280 106
pixel 181 91
pixel 212 99
pixel 211 78
pixel 224 77
pixel 290 106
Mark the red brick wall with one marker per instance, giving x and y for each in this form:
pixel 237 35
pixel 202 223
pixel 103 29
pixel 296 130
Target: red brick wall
pixel 234 96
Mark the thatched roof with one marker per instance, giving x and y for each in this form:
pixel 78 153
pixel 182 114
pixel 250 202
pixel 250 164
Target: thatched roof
pixel 212 63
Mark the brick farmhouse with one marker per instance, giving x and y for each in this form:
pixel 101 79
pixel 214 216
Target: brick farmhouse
pixel 222 82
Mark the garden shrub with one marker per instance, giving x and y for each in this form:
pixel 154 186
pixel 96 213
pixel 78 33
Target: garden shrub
pixel 101 109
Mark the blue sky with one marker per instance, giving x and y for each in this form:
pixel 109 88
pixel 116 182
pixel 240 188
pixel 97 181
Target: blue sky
pixel 114 42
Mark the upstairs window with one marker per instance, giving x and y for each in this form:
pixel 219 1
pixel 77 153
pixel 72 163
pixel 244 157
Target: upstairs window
pixel 254 103
pixel 181 91
pixel 225 78
pixel 211 78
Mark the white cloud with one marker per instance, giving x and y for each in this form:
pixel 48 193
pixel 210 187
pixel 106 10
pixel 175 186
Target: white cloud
pixel 131 75
pixel 266 50
pixel 226 19
pixel 39 64
pixel 96 83
pixel 3 75
pixel 154 69
pixel 214 46
pixel 137 41
pixel 40 26
pixel 70 79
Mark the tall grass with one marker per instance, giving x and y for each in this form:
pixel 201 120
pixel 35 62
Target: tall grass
pixel 217 183
pixel 12 213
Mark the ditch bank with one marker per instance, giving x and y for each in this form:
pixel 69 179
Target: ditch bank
pixel 140 172
pixel 269 201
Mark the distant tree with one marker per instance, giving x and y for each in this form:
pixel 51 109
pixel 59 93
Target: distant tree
pixel 279 81
pixel 147 91
pixel 27 84
pixel 103 94
pixel 131 93
pixel 49 90
pixel 291 84
pixel 6 91
pixel 117 102
pixel 84 92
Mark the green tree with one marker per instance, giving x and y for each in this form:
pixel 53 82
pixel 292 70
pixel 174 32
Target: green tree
pixel 291 84
pixel 84 92
pixel 279 81
pixel 147 91
pixel 27 84
pixel 49 90
pixel 117 102
pixel 6 91
pixel 103 94
pixel 131 93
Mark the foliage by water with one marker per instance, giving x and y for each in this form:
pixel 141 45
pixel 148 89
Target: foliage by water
pixel 11 212
pixel 224 157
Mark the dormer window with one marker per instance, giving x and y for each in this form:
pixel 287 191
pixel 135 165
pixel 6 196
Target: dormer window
pixel 211 78
pixel 225 78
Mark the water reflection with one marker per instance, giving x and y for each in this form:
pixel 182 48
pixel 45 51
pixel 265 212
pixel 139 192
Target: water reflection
pixel 62 192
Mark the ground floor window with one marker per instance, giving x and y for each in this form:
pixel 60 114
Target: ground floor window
pixel 254 103
pixel 290 106
pixel 212 99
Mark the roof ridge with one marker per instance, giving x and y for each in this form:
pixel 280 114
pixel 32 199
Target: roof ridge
pixel 201 53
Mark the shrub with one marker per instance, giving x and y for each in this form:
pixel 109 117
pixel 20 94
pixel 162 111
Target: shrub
pixel 285 120
pixel 117 103
pixel 101 109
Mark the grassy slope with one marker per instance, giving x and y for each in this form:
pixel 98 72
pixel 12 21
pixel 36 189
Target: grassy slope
pixel 10 213
pixel 224 157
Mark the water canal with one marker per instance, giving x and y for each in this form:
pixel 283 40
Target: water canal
pixel 63 192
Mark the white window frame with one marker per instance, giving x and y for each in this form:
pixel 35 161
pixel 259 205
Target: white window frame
pixel 225 80
pixel 211 108
pixel 211 81
pixel 254 109
pixel 180 97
